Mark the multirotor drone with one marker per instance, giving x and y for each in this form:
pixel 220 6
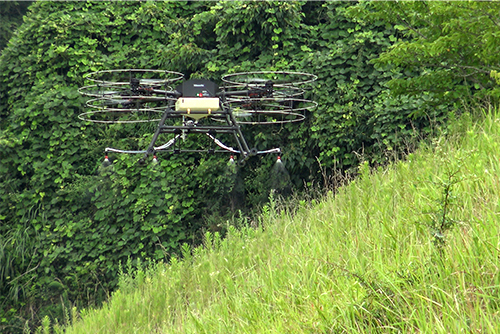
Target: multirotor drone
pixel 196 106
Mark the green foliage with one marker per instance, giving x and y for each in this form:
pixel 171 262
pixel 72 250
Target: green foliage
pixel 452 51
pixel 79 224
pixel 80 219
pixel 322 39
pixel 356 114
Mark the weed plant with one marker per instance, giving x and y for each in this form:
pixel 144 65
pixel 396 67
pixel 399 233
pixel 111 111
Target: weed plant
pixel 410 248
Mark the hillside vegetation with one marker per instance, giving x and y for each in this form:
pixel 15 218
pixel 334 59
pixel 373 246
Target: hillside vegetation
pixel 389 74
pixel 411 248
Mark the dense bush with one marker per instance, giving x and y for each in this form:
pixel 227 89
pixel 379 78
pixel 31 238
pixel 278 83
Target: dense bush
pixel 452 47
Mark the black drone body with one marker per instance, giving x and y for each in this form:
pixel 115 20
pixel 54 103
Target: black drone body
pixel 196 106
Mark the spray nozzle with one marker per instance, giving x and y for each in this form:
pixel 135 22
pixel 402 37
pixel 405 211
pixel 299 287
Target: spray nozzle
pixel 106 161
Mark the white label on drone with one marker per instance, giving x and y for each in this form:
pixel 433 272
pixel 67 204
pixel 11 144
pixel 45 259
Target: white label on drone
pixel 198 85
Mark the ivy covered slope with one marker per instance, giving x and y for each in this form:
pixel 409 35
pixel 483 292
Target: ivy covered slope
pixel 11 16
pixel 64 228
pixel 66 222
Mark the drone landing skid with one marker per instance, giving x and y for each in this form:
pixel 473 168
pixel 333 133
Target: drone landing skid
pixel 170 147
pixel 192 127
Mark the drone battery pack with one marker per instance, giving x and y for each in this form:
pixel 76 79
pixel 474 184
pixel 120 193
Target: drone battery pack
pixel 197 107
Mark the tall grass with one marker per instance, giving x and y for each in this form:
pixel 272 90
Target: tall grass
pixel 371 258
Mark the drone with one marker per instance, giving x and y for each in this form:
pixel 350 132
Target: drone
pixel 181 107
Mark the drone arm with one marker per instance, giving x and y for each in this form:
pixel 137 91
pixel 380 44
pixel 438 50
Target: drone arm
pixel 168 144
pixel 236 92
pixel 273 150
pixel 232 150
pixel 173 93
pixel 221 145
pixel 110 149
pixel 247 92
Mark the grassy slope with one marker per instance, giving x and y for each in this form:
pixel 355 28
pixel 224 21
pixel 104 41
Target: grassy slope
pixel 362 260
